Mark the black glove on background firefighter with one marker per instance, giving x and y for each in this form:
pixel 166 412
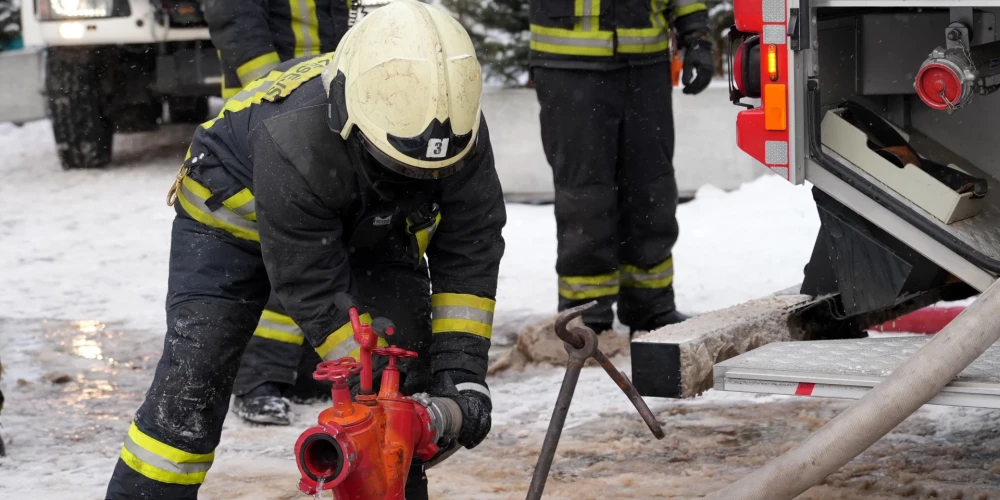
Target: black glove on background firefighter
pixel 320 179
pixel 602 72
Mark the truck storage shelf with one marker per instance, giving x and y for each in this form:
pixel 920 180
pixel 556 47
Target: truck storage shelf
pixel 981 232
pixel 847 369
pixel 902 3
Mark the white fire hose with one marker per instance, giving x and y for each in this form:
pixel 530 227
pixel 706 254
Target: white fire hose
pixel 869 419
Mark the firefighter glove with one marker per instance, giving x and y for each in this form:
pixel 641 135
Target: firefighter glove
pixel 699 66
pixel 473 397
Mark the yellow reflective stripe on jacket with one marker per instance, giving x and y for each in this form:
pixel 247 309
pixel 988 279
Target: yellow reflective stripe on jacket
pixel 243 204
pixel 192 197
pixel 229 92
pixel 462 313
pixel 572 42
pixel 656 13
pixel 275 85
pixel 589 13
pixel 425 235
pixel 658 276
pixel 305 27
pixel 161 462
pixel 257 67
pixel 685 7
pixel 278 327
pixel 642 40
pixel 341 343
pixel 588 287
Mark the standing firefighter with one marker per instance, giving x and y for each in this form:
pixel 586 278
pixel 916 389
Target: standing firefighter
pixel 254 36
pixel 320 185
pixel 602 72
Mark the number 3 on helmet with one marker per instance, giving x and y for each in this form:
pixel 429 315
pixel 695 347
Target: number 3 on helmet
pixel 407 81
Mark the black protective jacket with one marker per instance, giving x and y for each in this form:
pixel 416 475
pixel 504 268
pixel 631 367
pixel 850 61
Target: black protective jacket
pixel 253 36
pixel 317 207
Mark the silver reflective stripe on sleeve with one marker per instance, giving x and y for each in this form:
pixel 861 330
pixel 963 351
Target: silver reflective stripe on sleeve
pixel 472 386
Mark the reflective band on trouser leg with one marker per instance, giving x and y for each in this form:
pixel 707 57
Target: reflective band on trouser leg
pixel 243 204
pixel 463 313
pixel 588 287
pixel 192 196
pixel 642 40
pixel 658 276
pixel 341 343
pixel 257 67
pixel 278 327
pixel 572 42
pixel 685 7
pixel 161 462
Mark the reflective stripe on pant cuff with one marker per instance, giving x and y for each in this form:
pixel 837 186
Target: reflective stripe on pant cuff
pixel 588 287
pixel 278 327
pixel 462 313
pixel 161 462
pixel 658 276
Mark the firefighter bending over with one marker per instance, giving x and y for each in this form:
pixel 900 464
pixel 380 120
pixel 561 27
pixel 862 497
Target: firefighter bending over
pixel 316 185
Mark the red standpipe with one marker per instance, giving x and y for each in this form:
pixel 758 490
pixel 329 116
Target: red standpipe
pixel 362 448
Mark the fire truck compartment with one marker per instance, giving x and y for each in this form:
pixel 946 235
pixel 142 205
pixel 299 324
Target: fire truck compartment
pixel 872 56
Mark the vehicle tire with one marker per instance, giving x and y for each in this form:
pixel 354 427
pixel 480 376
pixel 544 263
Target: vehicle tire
pixel 72 81
pixel 188 109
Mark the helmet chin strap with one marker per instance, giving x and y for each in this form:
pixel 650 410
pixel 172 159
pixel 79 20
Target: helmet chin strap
pixel 386 183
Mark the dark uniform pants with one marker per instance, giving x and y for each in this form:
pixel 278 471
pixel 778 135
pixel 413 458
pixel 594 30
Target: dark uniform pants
pixel 279 353
pixel 609 138
pixel 217 290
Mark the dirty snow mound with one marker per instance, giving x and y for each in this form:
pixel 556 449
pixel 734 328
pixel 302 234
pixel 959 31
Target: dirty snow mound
pixel 537 343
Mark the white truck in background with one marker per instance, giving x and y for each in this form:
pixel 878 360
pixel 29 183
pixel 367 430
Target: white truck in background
pixel 97 67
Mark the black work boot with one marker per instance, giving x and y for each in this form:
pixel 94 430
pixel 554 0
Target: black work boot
pixel 661 320
pixel 263 405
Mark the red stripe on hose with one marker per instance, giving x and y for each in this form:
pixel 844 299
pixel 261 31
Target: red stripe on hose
pixel 804 389
pixel 926 320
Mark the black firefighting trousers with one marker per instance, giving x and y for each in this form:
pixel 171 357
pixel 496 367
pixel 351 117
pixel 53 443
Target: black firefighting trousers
pixel 609 138
pixel 278 353
pixel 217 290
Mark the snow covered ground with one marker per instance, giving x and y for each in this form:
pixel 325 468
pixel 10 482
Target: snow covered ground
pixel 82 278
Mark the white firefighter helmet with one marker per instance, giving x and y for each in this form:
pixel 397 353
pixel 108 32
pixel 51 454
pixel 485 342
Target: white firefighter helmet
pixel 407 78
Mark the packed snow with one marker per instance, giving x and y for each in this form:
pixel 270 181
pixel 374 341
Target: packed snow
pixel 83 258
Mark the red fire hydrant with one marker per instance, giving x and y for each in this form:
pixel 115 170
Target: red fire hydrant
pixel 362 447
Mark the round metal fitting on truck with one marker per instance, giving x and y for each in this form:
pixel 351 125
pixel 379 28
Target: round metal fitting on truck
pixel 946 81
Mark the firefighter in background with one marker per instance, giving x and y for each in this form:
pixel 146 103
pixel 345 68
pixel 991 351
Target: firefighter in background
pixel 603 76
pixel 332 174
pixel 253 37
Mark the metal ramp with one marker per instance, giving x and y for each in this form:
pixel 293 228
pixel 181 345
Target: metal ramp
pixel 847 369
